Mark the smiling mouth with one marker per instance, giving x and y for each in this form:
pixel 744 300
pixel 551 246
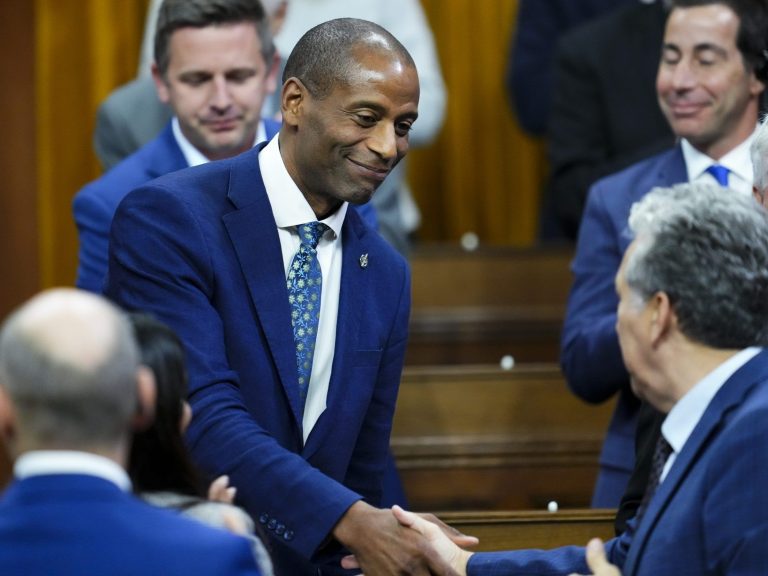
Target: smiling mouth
pixel 373 171
pixel 221 124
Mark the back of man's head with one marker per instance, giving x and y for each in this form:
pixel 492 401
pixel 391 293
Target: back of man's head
pixel 68 363
pixel 326 55
pixel 751 39
pixel 706 248
pixel 176 14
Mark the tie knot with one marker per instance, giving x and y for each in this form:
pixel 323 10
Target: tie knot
pixel 310 233
pixel 720 174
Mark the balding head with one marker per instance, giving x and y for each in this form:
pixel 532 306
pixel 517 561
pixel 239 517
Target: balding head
pixel 68 362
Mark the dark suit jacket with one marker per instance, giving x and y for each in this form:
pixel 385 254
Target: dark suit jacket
pixel 539 25
pixel 709 515
pixel 199 248
pixel 590 354
pixel 75 524
pixel 605 114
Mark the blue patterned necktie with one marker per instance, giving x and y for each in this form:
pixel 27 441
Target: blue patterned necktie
pixel 304 289
pixel 720 174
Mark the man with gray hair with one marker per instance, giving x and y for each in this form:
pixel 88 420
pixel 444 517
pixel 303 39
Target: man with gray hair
pixel 71 390
pixel 759 153
pixel 692 321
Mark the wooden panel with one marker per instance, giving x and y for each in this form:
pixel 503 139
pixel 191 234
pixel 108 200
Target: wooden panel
pixel 530 529
pixel 475 307
pixel 478 437
pixel 18 204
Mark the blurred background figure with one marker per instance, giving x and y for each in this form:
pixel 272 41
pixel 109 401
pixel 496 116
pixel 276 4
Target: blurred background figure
pixel 73 390
pixel 159 464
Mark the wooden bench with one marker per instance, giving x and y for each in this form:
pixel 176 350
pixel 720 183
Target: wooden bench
pixel 532 529
pixel 483 438
pixel 475 307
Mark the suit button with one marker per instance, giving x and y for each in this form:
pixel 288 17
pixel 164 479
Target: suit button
pixel 264 518
pixel 280 529
pixel 288 535
pixel 272 524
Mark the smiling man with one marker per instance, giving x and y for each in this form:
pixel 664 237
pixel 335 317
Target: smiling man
pixel 215 63
pixel 294 313
pixel 710 81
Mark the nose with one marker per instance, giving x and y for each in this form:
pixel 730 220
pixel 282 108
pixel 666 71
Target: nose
pixel 683 76
pixel 220 97
pixel 383 141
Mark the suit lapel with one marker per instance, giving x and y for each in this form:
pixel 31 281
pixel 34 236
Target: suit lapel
pixel 253 232
pixel 353 295
pixel 672 169
pixel 728 398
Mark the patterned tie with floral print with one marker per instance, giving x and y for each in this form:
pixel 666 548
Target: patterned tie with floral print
pixel 304 289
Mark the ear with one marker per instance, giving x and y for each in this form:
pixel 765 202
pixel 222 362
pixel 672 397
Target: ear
pixel 160 84
pixel 7 418
pixel 663 318
pixel 146 395
pixel 292 98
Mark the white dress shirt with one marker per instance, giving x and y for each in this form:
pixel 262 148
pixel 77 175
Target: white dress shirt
pixel 738 162
pixel 46 462
pixel 291 209
pixel 192 155
pixel 685 415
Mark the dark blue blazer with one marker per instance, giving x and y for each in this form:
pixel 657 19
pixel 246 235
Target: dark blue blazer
pixel 95 204
pixel 75 524
pixel 200 249
pixel 709 515
pixel 590 354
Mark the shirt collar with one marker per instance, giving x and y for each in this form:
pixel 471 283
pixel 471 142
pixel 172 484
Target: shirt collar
pixel 47 462
pixel 686 413
pixel 192 155
pixel 289 206
pixel 737 160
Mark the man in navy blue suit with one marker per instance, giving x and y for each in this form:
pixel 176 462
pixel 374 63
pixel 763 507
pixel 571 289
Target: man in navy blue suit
pixel 710 81
pixel 209 250
pixel 71 390
pixel 215 63
pixel 691 320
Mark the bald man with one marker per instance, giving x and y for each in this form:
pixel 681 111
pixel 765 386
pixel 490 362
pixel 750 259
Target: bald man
pixel 71 389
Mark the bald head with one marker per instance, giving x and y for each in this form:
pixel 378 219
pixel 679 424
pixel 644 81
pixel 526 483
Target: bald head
pixel 68 363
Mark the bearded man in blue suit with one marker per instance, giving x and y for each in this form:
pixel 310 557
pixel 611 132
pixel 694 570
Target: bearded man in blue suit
pixel 71 391
pixel 692 321
pixel 710 81
pixel 209 250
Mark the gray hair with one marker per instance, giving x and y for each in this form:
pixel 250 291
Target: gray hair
pixel 759 152
pixel 68 362
pixel 176 14
pixel 707 248
pixel 325 56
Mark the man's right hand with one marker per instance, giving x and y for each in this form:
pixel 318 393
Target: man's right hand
pixel 381 544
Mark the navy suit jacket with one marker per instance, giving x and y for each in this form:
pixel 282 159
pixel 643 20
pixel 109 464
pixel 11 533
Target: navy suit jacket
pixel 708 516
pixel 200 249
pixel 75 524
pixel 590 354
pixel 94 206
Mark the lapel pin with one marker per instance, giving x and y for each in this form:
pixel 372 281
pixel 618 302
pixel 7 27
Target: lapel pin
pixel 364 260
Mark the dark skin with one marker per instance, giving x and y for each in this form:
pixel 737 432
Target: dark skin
pixel 339 148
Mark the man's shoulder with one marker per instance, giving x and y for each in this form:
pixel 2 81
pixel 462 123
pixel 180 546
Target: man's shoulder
pixel 634 181
pixel 159 156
